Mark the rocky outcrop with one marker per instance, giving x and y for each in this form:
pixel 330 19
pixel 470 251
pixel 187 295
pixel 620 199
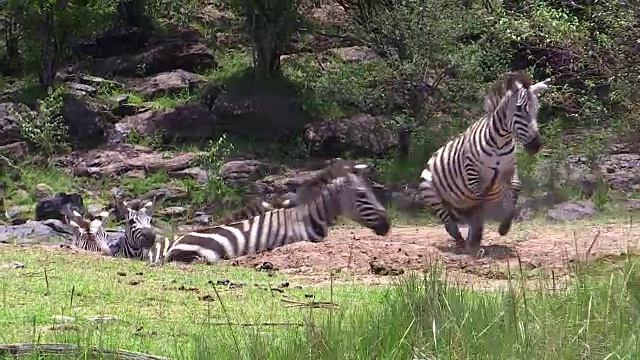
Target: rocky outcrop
pixel 360 135
pixel 190 123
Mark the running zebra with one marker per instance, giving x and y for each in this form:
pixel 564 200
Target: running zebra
pixel 347 192
pixel 478 167
pixel 88 230
pixel 138 232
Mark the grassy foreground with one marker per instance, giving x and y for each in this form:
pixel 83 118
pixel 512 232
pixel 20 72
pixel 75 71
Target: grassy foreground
pixel 184 313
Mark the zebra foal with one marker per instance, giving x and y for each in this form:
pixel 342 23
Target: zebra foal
pixel 138 232
pixel 88 231
pixel 478 167
pixel 340 189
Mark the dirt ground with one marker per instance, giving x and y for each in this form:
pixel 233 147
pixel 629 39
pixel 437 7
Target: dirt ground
pixel 361 256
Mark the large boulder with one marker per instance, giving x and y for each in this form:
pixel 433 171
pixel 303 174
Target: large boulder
pixel 360 135
pixel 187 123
pixel 183 50
pixel 51 206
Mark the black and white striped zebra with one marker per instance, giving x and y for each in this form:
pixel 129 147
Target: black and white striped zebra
pixel 478 167
pixel 345 191
pixel 138 231
pixel 88 231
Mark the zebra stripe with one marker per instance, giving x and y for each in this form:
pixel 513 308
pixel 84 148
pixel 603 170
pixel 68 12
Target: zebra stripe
pixel 347 193
pixel 254 206
pixel 139 234
pixel 89 233
pixel 478 167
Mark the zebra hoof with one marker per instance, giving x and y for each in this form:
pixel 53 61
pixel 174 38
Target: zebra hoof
pixel 504 228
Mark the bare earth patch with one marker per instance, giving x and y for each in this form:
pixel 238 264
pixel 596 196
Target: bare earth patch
pixel 535 248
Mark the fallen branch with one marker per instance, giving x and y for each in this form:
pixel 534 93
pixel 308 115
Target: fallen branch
pixel 259 324
pixel 310 304
pixel 69 349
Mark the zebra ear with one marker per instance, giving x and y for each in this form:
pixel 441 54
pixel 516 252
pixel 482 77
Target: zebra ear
pixel 266 205
pixel 540 87
pixel 148 207
pixel 104 215
pixel 125 203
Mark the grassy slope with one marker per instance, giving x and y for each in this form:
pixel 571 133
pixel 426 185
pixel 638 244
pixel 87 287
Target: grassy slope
pixel 174 311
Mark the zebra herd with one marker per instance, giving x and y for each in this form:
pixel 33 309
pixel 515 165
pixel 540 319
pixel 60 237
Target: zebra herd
pixel 461 180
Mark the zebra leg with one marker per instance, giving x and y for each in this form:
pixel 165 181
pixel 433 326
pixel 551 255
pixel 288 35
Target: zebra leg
pixel 516 187
pixel 476 227
pixel 429 196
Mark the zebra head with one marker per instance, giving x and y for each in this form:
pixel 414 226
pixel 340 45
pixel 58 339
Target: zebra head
pixel 90 233
pixel 358 202
pixel 514 100
pixel 344 189
pixel 138 223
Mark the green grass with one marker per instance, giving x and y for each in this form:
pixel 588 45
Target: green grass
pixel 175 311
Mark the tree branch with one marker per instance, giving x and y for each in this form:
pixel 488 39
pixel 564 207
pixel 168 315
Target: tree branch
pixel 68 349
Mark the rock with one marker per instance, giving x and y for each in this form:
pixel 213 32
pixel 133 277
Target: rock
pixel 86 125
pixel 361 135
pixel 121 158
pixel 201 219
pixel 95 209
pixel 82 89
pixel 166 194
pixel 9 120
pixel 51 206
pixel 43 190
pixel 183 50
pixel 122 107
pixel 572 210
pixel 189 123
pixel 17 214
pixel 174 211
pixel 21 194
pixel 244 171
pixel 166 83
pixel 114 42
pixel 17 150
pixel 194 173
pixel 32 232
pixel 12 265
pixel 355 53
pixel 633 204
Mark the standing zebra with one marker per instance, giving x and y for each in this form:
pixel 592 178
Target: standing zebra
pixel 89 233
pixel 478 167
pixel 138 232
pixel 340 189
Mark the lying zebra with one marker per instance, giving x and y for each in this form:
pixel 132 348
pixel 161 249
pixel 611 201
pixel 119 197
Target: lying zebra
pixel 340 189
pixel 88 230
pixel 139 236
pixel 254 206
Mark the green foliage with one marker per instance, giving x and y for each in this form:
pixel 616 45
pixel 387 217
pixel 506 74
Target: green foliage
pixel 215 190
pixel 45 128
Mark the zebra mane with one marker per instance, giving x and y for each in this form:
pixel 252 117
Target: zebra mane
pixel 254 206
pixel 310 189
pixel 500 87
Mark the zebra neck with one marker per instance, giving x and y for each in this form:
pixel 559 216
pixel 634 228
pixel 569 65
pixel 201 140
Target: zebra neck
pixel 311 221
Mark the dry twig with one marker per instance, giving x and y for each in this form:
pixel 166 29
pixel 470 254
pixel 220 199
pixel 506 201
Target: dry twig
pixel 310 304
pixel 69 349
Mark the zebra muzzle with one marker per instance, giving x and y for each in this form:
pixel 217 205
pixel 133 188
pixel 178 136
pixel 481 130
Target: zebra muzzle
pixel 533 146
